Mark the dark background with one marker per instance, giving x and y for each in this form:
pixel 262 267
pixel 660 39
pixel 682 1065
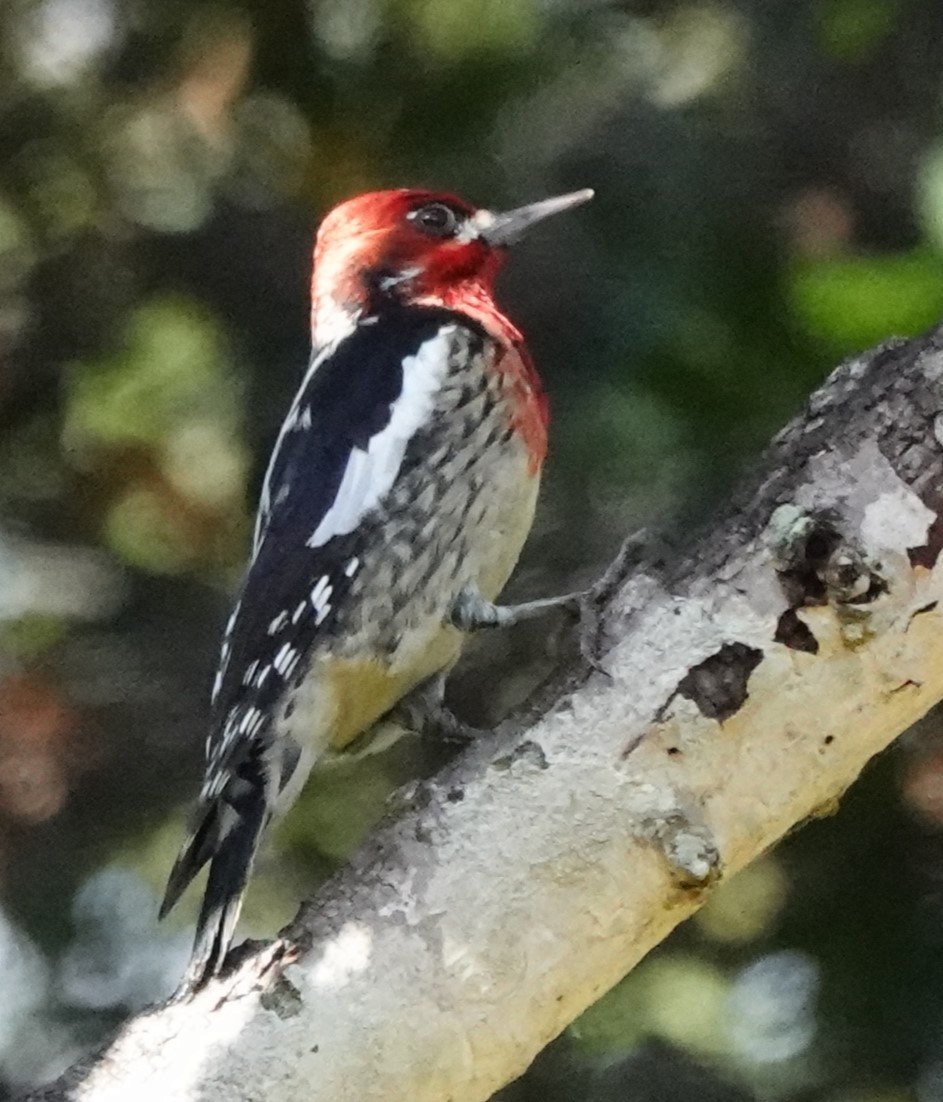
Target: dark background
pixel 769 178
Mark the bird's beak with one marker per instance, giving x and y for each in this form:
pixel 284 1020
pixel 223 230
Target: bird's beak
pixel 506 228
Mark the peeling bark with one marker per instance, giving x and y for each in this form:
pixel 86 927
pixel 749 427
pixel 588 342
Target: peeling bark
pixel 746 686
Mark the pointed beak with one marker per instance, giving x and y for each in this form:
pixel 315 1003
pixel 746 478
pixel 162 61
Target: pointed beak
pixel 506 228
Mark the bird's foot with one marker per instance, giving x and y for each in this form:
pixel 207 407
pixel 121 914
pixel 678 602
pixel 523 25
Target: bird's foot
pixel 424 712
pixel 471 612
pixel 594 600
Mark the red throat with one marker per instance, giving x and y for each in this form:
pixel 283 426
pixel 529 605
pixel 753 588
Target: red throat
pixel 532 410
pixel 367 251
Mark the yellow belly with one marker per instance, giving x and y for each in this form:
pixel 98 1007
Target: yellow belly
pixel 364 690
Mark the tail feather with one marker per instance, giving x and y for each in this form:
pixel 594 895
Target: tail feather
pixel 199 848
pixel 222 900
pixel 227 836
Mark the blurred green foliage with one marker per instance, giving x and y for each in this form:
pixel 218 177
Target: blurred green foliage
pixel 850 301
pixel 853 30
pixel 769 183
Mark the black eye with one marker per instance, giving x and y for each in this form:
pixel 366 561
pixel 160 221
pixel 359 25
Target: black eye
pixel 436 219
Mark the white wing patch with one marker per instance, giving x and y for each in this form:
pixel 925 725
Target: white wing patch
pixel 370 473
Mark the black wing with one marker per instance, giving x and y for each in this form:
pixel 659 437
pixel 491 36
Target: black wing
pixel 346 400
pixel 337 455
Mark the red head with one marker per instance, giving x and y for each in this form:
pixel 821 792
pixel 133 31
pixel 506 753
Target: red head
pixel 415 246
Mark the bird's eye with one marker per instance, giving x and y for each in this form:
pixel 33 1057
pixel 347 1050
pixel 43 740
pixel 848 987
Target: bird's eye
pixel 435 219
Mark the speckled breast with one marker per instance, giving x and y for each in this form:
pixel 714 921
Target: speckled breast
pixel 457 515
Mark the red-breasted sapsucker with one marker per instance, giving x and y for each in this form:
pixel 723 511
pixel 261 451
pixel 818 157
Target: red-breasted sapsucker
pixel 397 499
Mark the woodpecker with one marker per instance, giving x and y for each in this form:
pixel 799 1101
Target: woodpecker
pixel 397 500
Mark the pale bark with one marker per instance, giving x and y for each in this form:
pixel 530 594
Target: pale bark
pixel 747 686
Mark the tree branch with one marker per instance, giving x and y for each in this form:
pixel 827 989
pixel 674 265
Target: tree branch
pixel 747 686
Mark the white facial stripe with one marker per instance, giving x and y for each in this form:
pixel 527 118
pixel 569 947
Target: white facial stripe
pixel 369 474
pixel 473 227
pixel 387 283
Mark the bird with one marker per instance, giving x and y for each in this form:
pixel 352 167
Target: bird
pixel 399 494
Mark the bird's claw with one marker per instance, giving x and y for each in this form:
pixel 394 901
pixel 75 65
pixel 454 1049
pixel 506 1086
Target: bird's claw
pixel 589 605
pixel 424 713
pixel 590 627
pixel 444 728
